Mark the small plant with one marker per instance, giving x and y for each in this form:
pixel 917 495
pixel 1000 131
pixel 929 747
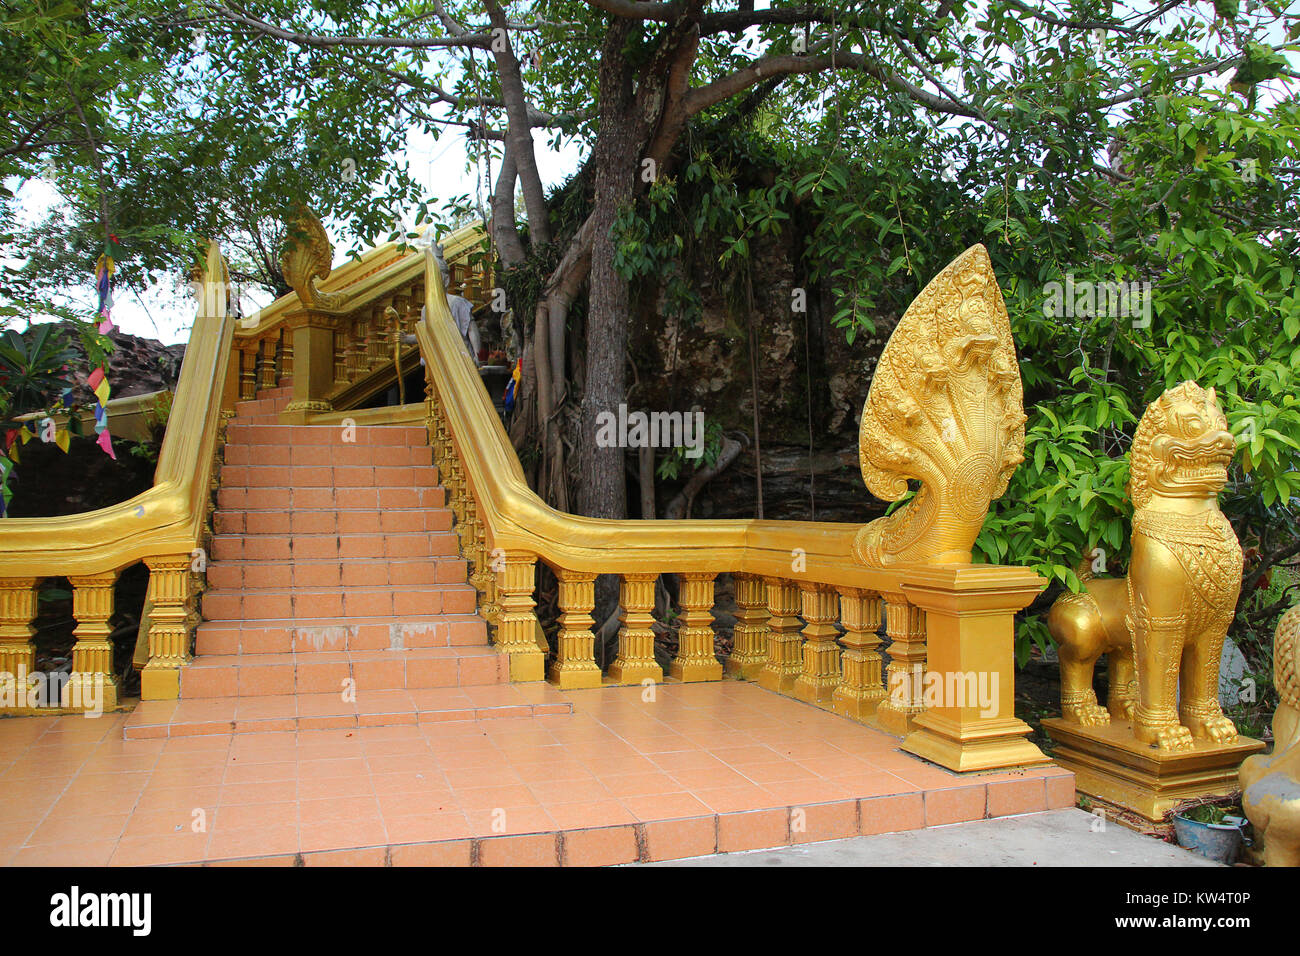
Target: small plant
pixel 1212 814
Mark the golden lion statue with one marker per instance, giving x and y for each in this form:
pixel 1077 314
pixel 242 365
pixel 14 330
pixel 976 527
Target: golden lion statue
pixel 1271 783
pixel 1167 619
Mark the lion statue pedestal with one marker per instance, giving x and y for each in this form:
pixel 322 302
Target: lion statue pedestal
pixel 1162 626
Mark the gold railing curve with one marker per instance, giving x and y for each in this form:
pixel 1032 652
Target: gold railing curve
pixel 164 527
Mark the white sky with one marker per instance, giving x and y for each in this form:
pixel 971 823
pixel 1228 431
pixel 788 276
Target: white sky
pixel 444 169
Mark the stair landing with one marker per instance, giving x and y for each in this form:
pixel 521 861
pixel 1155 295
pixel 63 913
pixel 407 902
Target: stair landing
pixel 698 769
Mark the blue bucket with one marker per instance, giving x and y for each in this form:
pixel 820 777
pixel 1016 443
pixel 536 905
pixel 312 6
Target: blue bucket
pixel 1220 842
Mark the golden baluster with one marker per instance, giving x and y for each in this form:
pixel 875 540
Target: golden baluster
pixel 357 348
pixel 266 353
pixel 170 597
pixel 695 660
pixel 820 674
pixel 93 683
pixel 490 605
pixel 377 338
pixel 574 666
pixel 861 689
pixel 784 661
pixel 340 357
pixel 247 374
pixel 286 356
pixel 905 625
pixel 517 627
pixel 749 647
pixel 636 641
pixel 17 650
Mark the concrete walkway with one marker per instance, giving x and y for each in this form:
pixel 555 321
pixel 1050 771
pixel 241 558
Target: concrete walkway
pixel 1054 838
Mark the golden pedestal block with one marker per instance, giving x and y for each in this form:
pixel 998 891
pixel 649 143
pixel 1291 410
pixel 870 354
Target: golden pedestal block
pixel 743 670
pixel 1110 763
pixel 160 683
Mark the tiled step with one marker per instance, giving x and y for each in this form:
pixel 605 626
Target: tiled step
pixel 346 573
pixel 329 476
pixel 343 499
pixel 333 672
pixel 272 547
pixel 268 401
pixel 358 435
pixel 385 456
pixel 307 634
pixel 242 715
pixel 272 604
pixel 331 520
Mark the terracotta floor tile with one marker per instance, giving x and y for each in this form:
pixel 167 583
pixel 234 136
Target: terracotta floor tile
pixel 334 809
pixel 640 784
pixel 665 806
pixel 504 821
pixel 339 835
pixel 427 827
pixel 599 814
pixel 97 853
pixel 257 841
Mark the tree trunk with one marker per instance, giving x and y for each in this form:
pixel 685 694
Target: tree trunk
pixel 603 489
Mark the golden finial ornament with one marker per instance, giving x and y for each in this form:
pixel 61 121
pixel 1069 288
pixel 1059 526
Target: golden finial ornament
pixel 306 260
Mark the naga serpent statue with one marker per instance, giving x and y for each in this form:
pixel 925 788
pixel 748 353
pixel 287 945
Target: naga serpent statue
pixel 1271 783
pixel 1166 621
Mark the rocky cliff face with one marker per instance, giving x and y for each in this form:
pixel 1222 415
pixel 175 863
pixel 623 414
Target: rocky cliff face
pixel 136 365
pixel 47 482
pixel 807 373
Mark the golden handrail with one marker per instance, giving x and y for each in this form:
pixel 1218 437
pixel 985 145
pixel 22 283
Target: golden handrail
pixel 517 519
pixel 168 518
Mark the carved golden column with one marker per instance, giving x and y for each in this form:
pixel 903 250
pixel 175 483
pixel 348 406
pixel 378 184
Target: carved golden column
pixel 17 651
pixel 413 314
pixel 905 625
pixel 313 344
pixel 340 357
pixel 636 641
pixel 377 337
pixel 169 598
pixel 286 356
pixel 749 640
pixel 861 690
pixel 248 373
pixel 574 666
pixel 467 528
pixel 93 678
pixel 695 660
pixel 517 626
pixel 784 662
pixel 970 616
pixel 821 654
pixel 357 347
pixel 266 374
pixel 454 482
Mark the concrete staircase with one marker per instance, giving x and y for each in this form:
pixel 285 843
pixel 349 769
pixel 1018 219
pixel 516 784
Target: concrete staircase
pixel 336 594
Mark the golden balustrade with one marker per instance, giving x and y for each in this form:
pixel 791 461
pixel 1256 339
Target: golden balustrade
pixel 810 596
pixel 162 527
pixel 940 611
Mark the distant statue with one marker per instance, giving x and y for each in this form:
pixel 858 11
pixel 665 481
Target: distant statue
pixel 1271 783
pixel 1165 622
pixel 462 313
